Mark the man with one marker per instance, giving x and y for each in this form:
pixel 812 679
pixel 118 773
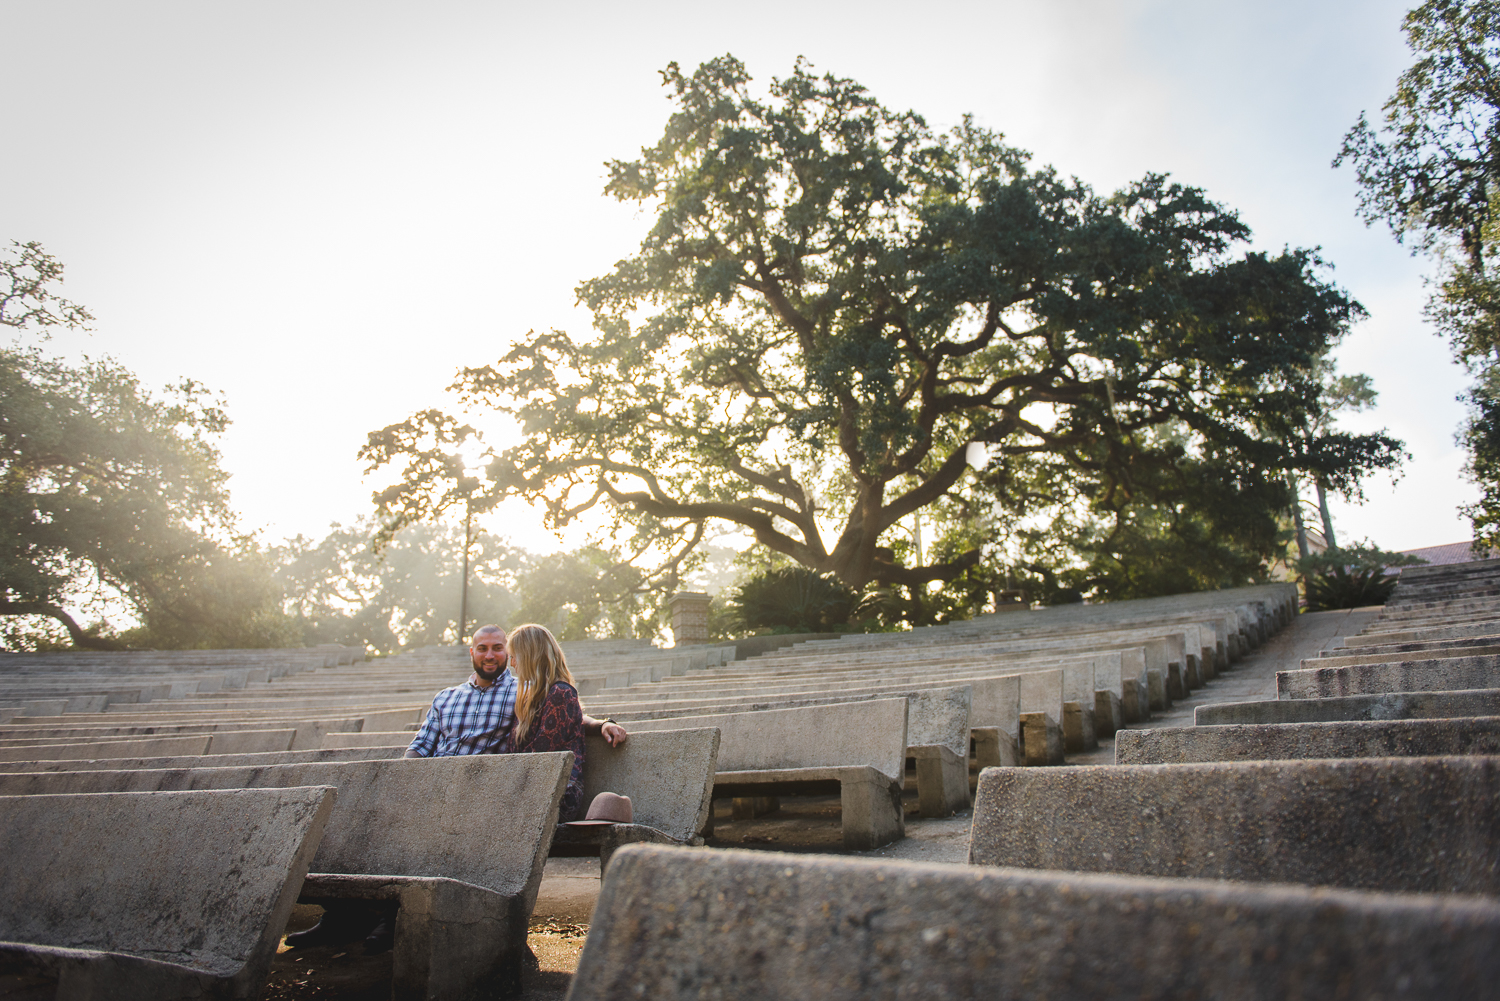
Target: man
pixel 476 716
pixel 472 718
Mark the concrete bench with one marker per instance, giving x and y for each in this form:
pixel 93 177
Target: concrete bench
pixel 1387 705
pixel 203 761
pixel 1281 741
pixel 1445 675
pixel 144 747
pixel 219 742
pixel 938 729
pixel 307 732
pixel 669 777
pixel 1395 824
pixel 677 924
pixel 458 843
pixel 857 749
pixel 150 897
pixel 1395 653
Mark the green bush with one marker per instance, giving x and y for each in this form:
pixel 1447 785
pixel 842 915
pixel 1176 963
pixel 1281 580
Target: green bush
pixel 1338 588
pixel 794 599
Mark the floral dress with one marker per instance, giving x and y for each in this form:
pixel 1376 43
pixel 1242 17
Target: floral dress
pixel 557 725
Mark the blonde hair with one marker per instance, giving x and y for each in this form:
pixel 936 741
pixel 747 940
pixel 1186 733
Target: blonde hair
pixel 537 661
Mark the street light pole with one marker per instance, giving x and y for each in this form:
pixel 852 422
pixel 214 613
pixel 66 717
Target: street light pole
pixel 463 608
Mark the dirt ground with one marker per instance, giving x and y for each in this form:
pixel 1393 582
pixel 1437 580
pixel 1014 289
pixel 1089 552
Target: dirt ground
pixel 810 824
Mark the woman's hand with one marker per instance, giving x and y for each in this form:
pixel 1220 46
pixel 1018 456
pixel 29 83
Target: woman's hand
pixel 614 733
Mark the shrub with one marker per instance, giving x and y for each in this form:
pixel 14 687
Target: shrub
pixel 1338 588
pixel 795 599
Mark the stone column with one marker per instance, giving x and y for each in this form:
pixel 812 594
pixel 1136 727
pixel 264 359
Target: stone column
pixel 689 617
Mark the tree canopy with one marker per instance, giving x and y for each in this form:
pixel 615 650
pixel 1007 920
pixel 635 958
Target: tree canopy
pixel 111 493
pixel 842 317
pixel 1430 171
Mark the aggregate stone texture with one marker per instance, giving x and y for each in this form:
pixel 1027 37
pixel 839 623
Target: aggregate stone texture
pixel 940 718
pixel 677 924
pixel 147 747
pixel 1396 824
pixel 1385 706
pixel 869 733
pixel 1445 675
pixel 668 775
pixel 404 816
pixel 1379 739
pixel 204 881
pixel 193 761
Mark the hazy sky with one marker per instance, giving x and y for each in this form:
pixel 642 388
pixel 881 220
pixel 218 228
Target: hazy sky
pixel 322 209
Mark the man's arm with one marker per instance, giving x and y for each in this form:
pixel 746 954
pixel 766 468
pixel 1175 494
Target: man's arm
pixel 424 744
pixel 611 731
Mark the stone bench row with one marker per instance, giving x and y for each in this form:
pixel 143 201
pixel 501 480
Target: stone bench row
pixel 855 749
pixel 218 871
pixel 306 730
pixel 1378 829
pixel 738 924
pixel 1260 616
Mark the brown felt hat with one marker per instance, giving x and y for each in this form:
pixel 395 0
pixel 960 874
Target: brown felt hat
pixel 607 808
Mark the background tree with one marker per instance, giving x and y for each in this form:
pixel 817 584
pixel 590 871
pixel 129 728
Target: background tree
pixel 110 494
pixel 836 304
pixel 1429 171
pixel 406 593
pixel 1333 460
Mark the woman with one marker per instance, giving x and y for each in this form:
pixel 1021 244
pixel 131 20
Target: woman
pixel 548 714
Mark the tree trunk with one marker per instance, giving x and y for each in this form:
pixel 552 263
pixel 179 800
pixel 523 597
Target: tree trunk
pixel 1291 482
pixel 1327 518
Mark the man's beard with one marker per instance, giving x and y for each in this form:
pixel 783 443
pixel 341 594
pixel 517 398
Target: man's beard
pixel 489 676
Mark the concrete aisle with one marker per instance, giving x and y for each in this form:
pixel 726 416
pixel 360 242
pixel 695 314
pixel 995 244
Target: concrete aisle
pixel 1254 678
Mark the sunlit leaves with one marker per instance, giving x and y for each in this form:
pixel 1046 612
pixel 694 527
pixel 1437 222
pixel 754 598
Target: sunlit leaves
pixel 836 300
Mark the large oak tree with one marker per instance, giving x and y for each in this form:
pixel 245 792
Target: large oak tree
pixel 839 313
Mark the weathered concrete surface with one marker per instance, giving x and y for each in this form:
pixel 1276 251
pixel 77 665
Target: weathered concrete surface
pixel 399 816
pixel 135 748
pixel 1397 824
pixel 995 747
pixel 250 741
pixel 1390 705
pixel 453 940
pixel 1135 703
pixel 1041 739
pixel 861 746
pixel 679 924
pixel 198 761
pixel 1448 675
pixel 1107 714
pixel 1279 741
pixel 424 820
pixel 192 900
pixel 869 800
pixel 668 775
pixel 1395 653
pixel 937 736
pixel 1079 735
pixel 871 733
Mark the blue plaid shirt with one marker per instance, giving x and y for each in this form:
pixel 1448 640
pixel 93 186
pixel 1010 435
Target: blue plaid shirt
pixel 467 719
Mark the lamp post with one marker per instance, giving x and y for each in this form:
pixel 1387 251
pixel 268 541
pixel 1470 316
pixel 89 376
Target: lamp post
pixel 463 606
pixel 469 479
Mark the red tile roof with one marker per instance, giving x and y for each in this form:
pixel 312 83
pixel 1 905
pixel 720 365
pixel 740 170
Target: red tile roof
pixel 1453 552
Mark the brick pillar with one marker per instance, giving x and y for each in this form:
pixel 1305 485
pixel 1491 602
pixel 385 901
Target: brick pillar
pixel 689 617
